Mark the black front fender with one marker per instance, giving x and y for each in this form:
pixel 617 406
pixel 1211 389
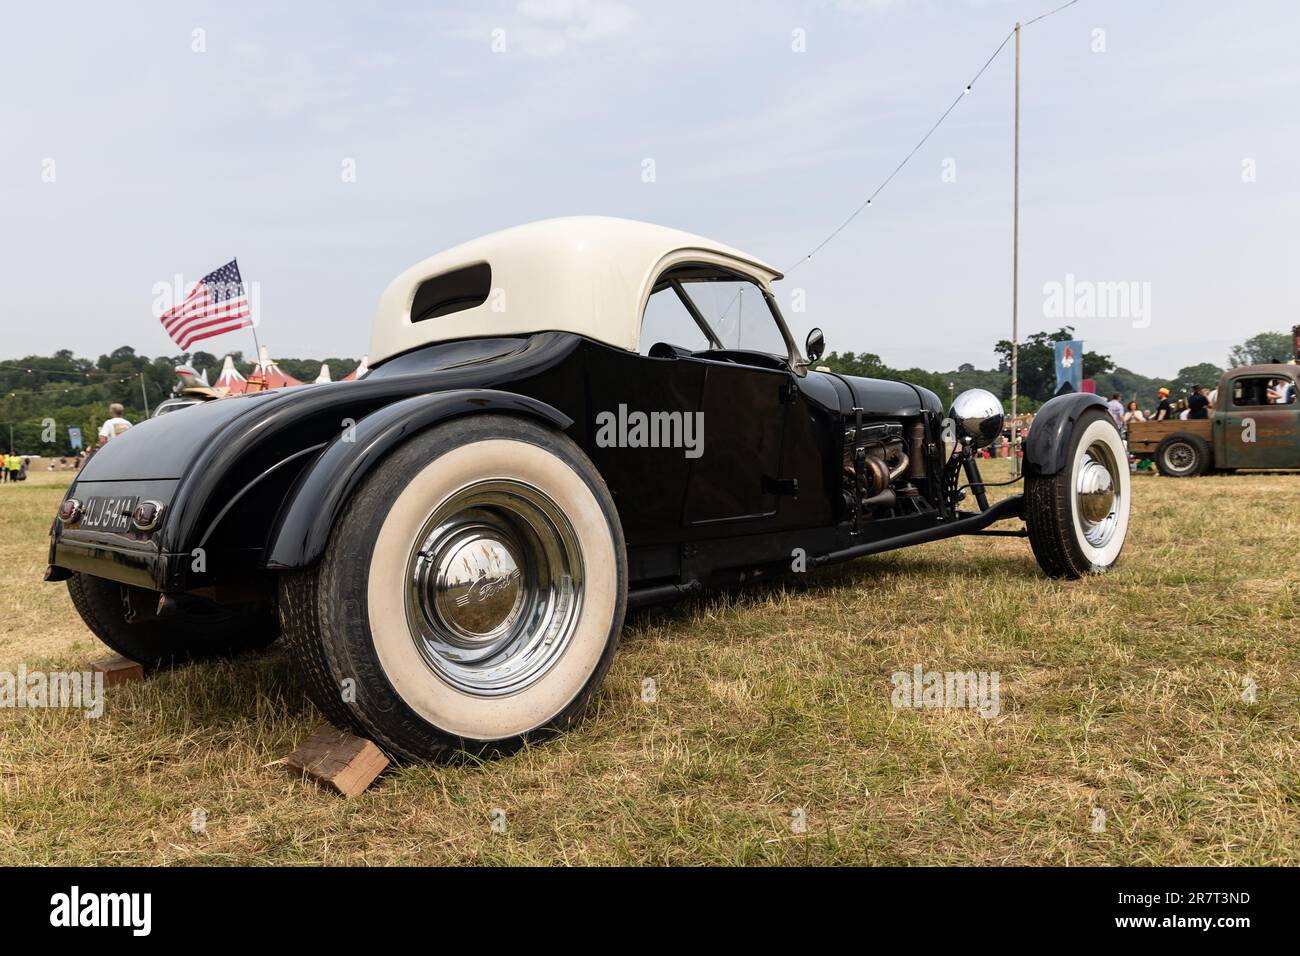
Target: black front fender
pixel 318 497
pixel 1048 444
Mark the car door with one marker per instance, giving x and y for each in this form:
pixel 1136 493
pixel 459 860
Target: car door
pixel 1257 432
pixel 628 395
pixel 737 476
pixel 719 333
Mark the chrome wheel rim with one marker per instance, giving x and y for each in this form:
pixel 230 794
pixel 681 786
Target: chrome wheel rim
pixel 1180 457
pixel 1097 493
pixel 494 587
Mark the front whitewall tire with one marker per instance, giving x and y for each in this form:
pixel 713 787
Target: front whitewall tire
pixel 1100 541
pixel 1078 518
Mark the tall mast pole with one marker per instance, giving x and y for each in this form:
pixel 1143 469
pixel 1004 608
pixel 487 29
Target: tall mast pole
pixel 1015 272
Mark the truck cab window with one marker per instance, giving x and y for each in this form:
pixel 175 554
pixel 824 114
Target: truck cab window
pixel 1260 390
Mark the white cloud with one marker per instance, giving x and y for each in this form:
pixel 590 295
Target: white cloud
pixel 553 26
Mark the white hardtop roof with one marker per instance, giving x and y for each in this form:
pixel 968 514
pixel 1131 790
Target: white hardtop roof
pixel 590 275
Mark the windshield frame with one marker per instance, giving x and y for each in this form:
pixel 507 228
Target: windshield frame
pixel 703 272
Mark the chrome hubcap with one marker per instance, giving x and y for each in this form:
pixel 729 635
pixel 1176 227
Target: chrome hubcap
pixel 1098 494
pixel 494 584
pixel 477 591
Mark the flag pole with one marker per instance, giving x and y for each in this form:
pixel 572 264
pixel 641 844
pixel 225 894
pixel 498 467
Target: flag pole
pixel 1015 273
pixel 257 358
pixel 257 347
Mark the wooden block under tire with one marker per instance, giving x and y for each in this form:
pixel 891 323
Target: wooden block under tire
pixel 338 760
pixel 118 670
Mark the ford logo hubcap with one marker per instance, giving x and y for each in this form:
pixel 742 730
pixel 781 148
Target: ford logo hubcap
pixel 478 590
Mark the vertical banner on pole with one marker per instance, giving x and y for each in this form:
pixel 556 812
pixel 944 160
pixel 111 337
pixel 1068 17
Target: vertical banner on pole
pixel 1069 367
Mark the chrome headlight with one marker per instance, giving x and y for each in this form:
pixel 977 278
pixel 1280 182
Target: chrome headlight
pixel 977 413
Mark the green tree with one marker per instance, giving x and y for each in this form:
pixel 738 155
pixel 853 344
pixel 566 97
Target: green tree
pixel 1036 363
pixel 1130 385
pixel 870 365
pixel 1203 373
pixel 866 364
pixel 968 376
pixel 1261 349
pixel 205 362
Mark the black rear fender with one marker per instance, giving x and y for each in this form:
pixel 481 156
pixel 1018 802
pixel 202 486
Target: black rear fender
pixel 322 490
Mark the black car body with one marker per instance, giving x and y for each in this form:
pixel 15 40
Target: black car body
pixel 202 514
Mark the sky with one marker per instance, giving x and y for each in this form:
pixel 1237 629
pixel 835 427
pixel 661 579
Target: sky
pixel 330 145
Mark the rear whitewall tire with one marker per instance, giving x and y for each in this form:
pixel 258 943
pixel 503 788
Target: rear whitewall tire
pixel 466 715
pixel 363 615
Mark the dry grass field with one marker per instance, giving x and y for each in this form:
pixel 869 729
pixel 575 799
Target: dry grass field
pixel 1125 693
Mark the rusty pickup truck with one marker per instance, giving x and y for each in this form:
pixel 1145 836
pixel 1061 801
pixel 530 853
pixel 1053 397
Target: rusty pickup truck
pixel 1254 423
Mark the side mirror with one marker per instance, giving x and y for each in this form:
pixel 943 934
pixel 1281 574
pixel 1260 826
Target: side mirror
pixel 815 346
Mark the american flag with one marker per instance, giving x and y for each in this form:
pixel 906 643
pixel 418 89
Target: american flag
pixel 217 304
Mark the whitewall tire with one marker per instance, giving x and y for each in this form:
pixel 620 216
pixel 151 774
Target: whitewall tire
pixel 1078 518
pixel 473 591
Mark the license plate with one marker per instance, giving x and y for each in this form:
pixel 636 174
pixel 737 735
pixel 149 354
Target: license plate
pixel 108 514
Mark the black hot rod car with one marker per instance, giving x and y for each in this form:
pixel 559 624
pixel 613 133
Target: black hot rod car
pixel 560 420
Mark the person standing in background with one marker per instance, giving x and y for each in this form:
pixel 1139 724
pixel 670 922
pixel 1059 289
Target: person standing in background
pixel 1116 408
pixel 1164 410
pixel 1281 391
pixel 1198 406
pixel 114 426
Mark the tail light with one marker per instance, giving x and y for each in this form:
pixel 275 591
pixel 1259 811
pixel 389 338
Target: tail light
pixel 147 515
pixel 70 512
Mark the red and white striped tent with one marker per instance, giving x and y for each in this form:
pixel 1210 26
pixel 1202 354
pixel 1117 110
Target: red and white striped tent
pixel 360 370
pixel 231 381
pixel 324 375
pixel 266 375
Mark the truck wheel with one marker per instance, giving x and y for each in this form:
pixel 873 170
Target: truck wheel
pixel 1183 456
pixel 1078 518
pixel 471 594
pixel 155 643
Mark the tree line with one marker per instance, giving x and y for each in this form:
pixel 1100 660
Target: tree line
pixel 1036 368
pixel 42 396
